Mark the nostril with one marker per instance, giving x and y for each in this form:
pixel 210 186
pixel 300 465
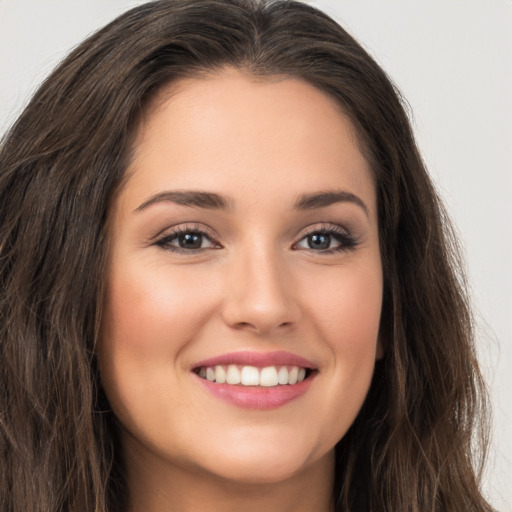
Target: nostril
pixel 259 326
pixel 244 325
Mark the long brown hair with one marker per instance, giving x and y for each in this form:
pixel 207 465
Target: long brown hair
pixel 419 440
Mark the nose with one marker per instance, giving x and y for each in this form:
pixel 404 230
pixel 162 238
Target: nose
pixel 260 295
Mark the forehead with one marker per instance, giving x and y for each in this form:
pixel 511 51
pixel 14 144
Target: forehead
pixel 221 90
pixel 229 130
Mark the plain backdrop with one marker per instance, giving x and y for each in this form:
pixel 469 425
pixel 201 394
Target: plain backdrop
pixel 452 59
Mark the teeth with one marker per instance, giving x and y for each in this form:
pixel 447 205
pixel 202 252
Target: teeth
pixel 250 376
pixel 269 376
pixel 220 375
pixel 282 375
pixel 233 375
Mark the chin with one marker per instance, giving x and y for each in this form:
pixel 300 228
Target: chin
pixel 269 472
pixel 257 464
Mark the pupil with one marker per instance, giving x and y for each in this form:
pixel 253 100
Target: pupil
pixel 319 241
pixel 190 241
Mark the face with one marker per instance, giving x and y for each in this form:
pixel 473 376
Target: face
pixel 245 284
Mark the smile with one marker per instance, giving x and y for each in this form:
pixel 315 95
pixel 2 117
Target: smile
pixel 269 376
pixel 256 380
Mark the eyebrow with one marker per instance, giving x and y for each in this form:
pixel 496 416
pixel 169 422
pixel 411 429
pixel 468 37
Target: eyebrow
pixel 213 201
pixel 328 198
pixel 192 198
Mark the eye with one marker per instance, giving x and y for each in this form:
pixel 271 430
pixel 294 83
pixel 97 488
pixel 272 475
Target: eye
pixel 186 240
pixel 327 240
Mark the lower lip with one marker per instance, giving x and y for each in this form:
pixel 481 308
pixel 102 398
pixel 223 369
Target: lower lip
pixel 257 397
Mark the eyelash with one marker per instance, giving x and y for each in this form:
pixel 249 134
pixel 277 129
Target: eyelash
pixel 347 242
pixel 164 241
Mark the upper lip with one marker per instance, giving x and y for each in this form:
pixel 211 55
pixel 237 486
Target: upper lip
pixel 258 359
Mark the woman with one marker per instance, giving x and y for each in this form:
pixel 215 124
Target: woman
pixel 227 281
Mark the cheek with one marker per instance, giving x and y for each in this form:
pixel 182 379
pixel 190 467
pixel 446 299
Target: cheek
pixel 148 307
pixel 151 314
pixel 347 316
pixel 347 308
pixel 353 329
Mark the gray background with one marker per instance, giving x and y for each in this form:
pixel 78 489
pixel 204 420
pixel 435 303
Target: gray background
pixel 453 61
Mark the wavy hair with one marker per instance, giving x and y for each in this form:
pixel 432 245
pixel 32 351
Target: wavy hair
pixel 419 441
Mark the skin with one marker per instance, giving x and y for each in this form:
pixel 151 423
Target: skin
pixel 254 284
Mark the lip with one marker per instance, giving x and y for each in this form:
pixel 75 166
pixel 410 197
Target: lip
pixel 257 397
pixel 258 359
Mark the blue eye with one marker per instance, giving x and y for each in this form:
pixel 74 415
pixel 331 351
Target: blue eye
pixel 319 241
pixel 186 241
pixel 327 241
pixel 190 240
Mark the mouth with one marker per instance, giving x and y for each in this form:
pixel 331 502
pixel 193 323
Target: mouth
pixel 256 380
pixel 247 375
